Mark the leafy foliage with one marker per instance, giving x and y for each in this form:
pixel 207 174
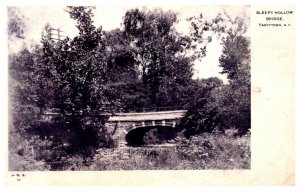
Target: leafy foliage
pixel 235 62
pixel 25 103
pixel 160 52
pixel 78 69
pixel 67 75
pixel 204 151
pixel 202 114
pixel 223 106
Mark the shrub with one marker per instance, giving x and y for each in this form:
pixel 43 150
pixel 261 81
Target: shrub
pixel 216 151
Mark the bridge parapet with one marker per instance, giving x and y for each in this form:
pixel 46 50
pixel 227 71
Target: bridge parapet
pixel 147 116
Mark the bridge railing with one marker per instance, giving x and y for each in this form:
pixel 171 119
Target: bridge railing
pixel 47 115
pixel 154 109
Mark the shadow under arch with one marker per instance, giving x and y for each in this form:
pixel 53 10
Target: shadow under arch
pixel 136 136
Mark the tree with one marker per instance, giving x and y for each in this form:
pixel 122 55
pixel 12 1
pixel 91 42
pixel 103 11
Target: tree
pixel 78 72
pixel 25 102
pixel 123 75
pixel 235 59
pixel 24 107
pixel 160 51
pixel 121 64
pixel 233 108
pixel 235 62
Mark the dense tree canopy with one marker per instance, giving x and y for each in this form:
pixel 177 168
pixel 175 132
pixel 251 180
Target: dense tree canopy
pixel 160 52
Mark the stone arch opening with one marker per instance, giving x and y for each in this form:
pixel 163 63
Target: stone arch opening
pixel 150 135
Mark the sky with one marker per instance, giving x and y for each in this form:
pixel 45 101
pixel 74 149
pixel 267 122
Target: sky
pixel 110 17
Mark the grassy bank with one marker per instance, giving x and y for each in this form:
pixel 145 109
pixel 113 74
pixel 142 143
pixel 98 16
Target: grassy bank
pixel 206 151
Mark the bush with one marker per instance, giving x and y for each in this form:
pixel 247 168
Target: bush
pixel 218 107
pixel 202 114
pixel 24 156
pixel 216 151
pixel 50 145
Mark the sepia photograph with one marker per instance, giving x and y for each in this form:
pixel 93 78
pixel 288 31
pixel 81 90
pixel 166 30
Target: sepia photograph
pixel 152 93
pixel 108 87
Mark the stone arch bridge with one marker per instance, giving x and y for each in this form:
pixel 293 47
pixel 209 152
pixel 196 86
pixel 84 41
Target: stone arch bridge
pixel 125 127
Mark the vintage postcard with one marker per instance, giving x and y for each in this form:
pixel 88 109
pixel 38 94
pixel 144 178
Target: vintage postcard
pixel 129 93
